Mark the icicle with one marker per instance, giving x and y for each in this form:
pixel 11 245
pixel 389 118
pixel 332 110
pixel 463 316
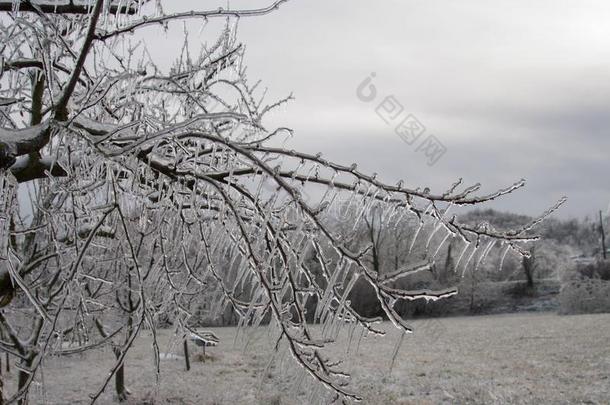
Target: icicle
pixel 419 228
pixel 474 250
pixel 396 349
pixel 441 245
pixel 503 257
pixel 457 264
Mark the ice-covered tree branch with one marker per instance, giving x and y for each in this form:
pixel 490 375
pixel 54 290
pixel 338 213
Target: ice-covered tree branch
pixel 66 6
pixel 158 193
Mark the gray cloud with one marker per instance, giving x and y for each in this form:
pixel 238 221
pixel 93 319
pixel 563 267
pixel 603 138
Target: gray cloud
pixel 512 88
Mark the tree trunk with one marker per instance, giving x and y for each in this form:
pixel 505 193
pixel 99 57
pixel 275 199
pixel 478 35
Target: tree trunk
pixel 601 230
pixel 1 390
pixel 187 361
pixel 449 266
pixel 119 376
pixel 473 288
pixel 23 380
pixel 119 379
pixel 529 266
pixel 530 278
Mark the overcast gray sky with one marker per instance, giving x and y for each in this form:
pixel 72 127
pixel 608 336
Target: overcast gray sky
pixel 513 89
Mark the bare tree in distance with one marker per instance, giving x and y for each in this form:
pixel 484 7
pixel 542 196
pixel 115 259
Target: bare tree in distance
pixel 602 233
pixel 129 168
pixel 529 266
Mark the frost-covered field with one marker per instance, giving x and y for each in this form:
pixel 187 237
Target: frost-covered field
pixel 522 358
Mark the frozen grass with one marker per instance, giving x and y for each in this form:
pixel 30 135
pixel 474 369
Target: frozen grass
pixel 520 358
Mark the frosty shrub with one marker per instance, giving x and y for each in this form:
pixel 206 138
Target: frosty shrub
pixel 586 289
pixel 150 190
pixel 600 269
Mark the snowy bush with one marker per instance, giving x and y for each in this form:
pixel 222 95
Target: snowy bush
pixel 586 289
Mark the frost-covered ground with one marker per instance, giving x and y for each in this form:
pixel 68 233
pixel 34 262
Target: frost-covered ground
pixel 520 358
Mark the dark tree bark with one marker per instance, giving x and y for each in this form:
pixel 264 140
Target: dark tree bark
pixel 187 360
pixel 603 235
pixel 119 376
pixel 449 266
pixel 529 266
pixel 119 379
pixel 1 385
pixel 22 379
